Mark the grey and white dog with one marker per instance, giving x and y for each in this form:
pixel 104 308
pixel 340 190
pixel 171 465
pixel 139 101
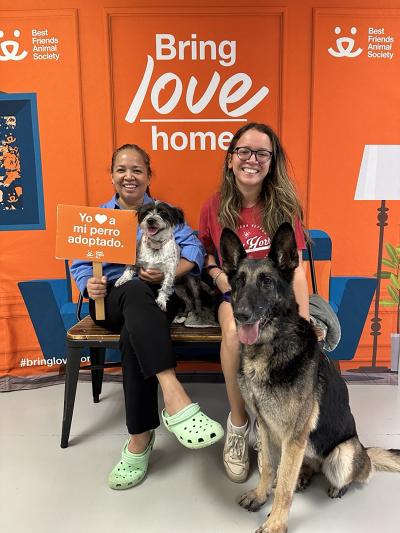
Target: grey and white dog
pixel 157 248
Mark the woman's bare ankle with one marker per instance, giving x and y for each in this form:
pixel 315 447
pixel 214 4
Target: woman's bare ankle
pixel 139 442
pixel 175 397
pixel 239 419
pixel 174 403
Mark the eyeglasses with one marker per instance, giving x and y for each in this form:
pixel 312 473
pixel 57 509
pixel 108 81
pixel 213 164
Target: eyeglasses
pixel 262 156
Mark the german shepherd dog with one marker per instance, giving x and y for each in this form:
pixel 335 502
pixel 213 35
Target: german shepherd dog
pixel 300 401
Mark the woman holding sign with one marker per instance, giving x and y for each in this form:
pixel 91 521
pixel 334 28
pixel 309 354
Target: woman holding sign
pixel 145 344
pixel 256 196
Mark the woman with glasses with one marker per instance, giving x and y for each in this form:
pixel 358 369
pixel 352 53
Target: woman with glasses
pixel 255 197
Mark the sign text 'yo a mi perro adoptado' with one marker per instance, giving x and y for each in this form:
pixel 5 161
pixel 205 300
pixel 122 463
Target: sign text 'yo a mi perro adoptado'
pixel 96 234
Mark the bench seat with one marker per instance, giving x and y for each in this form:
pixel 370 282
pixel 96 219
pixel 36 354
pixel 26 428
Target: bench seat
pixel 87 330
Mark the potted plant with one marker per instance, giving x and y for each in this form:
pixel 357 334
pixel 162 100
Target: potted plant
pixel 392 261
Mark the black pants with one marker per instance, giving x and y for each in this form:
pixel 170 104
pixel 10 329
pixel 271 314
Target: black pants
pixel 145 346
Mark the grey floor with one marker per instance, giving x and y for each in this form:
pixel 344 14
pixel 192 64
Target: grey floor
pixel 45 489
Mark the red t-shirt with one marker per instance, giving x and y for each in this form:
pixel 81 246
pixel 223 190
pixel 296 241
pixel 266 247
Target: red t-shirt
pixel 250 231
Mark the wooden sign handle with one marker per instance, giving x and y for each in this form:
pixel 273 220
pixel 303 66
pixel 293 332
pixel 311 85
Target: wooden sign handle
pixel 99 302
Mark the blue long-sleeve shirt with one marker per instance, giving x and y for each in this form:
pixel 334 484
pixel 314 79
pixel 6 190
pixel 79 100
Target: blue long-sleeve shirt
pixel 191 249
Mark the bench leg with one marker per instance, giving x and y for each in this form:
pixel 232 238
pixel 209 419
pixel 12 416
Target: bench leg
pixel 97 356
pixel 71 380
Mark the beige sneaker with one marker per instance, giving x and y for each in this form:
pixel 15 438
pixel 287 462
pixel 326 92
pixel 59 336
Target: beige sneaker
pixel 236 453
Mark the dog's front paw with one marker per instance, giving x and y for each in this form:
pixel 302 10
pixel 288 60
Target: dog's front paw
pixel 126 276
pixel 303 482
pixel 179 319
pixel 251 501
pixel 334 492
pixel 272 527
pixel 120 281
pixel 161 301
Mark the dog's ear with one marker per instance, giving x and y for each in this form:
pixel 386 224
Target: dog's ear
pixel 232 251
pixel 178 216
pixel 173 215
pixel 143 210
pixel 283 250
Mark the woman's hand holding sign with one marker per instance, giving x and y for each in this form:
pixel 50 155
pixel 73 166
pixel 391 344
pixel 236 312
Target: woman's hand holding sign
pixel 97 288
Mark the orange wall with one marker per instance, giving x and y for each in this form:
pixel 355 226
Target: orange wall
pixel 325 110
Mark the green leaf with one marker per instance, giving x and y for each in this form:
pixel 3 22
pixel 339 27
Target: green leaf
pixel 395 280
pixel 386 303
pixel 389 263
pixel 392 252
pixel 394 294
pixel 384 274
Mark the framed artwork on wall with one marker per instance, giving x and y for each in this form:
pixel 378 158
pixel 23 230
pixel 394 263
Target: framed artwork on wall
pixel 21 187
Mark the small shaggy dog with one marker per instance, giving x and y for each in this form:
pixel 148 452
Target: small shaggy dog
pixel 157 248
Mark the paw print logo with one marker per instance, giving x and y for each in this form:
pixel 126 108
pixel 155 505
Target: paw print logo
pixel 9 49
pixel 345 45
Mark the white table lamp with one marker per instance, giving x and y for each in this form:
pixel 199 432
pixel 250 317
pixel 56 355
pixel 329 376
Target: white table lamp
pixel 379 179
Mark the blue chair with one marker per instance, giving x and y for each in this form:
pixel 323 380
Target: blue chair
pixel 53 313
pixel 349 296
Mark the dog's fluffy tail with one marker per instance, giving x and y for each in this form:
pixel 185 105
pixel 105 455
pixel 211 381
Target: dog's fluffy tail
pixel 388 460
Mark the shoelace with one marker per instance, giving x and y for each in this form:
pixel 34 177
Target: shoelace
pixel 237 446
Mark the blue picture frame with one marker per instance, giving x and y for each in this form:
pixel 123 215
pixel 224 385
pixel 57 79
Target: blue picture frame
pixel 21 181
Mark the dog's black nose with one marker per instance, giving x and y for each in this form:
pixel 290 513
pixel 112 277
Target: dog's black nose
pixel 151 221
pixel 243 314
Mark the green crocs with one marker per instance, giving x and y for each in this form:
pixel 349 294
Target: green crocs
pixel 192 427
pixel 132 468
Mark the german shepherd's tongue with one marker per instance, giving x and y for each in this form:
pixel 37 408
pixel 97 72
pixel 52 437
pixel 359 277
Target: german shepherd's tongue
pixel 248 333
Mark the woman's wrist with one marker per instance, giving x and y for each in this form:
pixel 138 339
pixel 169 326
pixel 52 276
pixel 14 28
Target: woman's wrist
pixel 215 278
pixel 210 268
pixel 214 271
pixel 227 296
pixel 222 282
pixel 218 277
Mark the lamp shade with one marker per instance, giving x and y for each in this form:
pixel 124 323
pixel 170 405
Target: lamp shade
pixel 379 176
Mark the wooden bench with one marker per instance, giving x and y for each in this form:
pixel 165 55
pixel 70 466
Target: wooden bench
pixel 87 334
pixel 87 330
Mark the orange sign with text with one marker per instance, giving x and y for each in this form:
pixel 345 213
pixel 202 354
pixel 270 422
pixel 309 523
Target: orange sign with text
pixel 96 234
pixel 185 82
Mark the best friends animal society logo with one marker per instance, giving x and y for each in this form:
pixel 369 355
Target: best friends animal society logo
pixel 44 46
pixel 377 44
pixel 10 48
